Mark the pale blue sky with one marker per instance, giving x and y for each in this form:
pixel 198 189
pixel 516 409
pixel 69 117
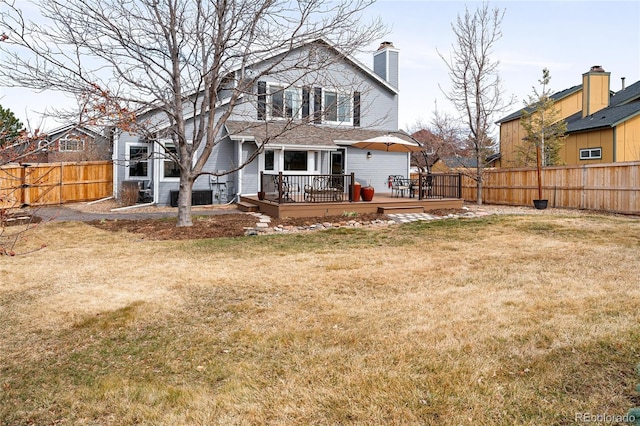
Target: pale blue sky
pixel 568 37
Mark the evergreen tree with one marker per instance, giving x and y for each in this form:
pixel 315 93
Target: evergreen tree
pixel 10 127
pixel 542 126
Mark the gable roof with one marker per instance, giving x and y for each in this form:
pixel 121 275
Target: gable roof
pixel 355 62
pixel 627 95
pixel 288 134
pixel 607 117
pixel 623 105
pixel 148 110
pixel 556 97
pixel 61 131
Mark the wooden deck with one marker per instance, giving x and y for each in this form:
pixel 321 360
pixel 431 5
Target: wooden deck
pixel 381 203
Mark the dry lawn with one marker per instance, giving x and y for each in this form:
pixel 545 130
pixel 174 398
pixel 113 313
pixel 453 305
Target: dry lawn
pixel 505 320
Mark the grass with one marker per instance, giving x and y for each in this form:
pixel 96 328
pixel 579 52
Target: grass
pixel 503 320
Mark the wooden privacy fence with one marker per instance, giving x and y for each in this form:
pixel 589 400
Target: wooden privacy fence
pixel 54 183
pixel 605 187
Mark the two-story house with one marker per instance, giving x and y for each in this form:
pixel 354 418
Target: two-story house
pixel 296 122
pixel 602 126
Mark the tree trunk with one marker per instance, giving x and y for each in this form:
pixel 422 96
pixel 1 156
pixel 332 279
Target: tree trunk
pixel 478 179
pixel 184 201
pixel 539 164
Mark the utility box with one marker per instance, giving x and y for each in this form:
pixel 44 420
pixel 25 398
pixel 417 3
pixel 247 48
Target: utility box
pixel 218 179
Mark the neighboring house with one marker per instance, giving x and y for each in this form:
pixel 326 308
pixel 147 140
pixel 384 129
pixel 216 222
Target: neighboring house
pixel 458 163
pixel 602 126
pixel 23 151
pixel 76 143
pixel 322 121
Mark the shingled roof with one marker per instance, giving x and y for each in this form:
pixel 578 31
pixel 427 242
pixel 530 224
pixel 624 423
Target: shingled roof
pixel 623 105
pixel 556 97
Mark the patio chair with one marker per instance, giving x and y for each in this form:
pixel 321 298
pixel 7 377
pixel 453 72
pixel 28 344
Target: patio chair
pixel 286 188
pixel 322 190
pixel 399 185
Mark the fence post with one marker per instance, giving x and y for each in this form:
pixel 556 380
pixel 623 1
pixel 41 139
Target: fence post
pixel 24 196
pixel 279 187
pixel 459 185
pixel 352 192
pixel 62 181
pixel 583 196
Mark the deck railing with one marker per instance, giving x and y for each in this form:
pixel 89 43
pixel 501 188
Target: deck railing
pixel 286 188
pixel 438 185
pixel 329 188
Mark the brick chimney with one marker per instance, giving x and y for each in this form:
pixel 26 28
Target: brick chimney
pixel 595 90
pixel 385 63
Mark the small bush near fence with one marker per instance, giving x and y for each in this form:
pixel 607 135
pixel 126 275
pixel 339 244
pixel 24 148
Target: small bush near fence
pixel 128 195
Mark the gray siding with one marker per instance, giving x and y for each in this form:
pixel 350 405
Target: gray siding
pixel 380 65
pixel 378 111
pixel 377 169
pixel 250 174
pixel 393 69
pixel 379 105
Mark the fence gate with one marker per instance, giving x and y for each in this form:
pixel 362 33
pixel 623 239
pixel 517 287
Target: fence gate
pixel 54 183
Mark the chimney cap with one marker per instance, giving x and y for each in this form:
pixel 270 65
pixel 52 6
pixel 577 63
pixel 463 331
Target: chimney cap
pixel 386 44
pixel 597 68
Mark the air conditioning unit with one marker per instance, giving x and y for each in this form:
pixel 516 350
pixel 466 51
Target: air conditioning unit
pixel 198 198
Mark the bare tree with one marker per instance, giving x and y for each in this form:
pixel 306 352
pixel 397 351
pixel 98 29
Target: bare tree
pixel 475 82
pixel 441 138
pixel 17 145
pixel 189 59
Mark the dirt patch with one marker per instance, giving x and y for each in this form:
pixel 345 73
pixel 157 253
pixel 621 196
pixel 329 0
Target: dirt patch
pixel 226 225
pixel 229 225
pixel 222 225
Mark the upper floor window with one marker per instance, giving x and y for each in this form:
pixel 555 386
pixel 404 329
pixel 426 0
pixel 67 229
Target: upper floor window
pixel 284 102
pixel 591 153
pixel 70 143
pixel 137 164
pixel 337 107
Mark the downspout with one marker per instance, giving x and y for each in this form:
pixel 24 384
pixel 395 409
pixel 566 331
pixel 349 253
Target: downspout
pixel 114 162
pixel 156 172
pixel 240 143
pixel 615 150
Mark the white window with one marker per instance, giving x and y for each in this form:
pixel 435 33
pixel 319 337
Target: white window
pixel 284 102
pixel 295 161
pixel 170 167
pixel 591 153
pixel 269 159
pixel 137 161
pixel 337 107
pixel 70 143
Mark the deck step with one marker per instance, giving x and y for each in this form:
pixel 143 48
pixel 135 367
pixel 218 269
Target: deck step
pixel 401 209
pixel 244 206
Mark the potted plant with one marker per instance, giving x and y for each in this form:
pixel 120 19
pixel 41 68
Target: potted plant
pixel 367 192
pixel 543 129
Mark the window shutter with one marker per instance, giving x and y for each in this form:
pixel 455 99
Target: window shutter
pixel 262 100
pixel 305 102
pixel 317 105
pixel 356 109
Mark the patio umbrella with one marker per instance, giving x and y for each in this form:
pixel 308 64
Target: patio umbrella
pixel 388 143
